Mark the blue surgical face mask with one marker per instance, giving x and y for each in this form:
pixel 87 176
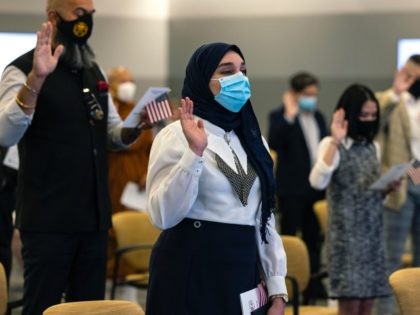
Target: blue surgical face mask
pixel 307 103
pixel 234 93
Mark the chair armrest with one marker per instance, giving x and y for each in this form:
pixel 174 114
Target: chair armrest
pixel 13 304
pixel 119 252
pixel 319 275
pixel 122 250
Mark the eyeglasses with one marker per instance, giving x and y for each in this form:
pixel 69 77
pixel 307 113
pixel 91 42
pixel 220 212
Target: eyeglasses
pixel 93 106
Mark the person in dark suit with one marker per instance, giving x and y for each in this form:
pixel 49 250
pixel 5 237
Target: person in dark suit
pixel 54 103
pixel 295 130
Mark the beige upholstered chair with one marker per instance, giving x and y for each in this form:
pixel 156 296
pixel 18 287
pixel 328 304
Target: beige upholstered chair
pixel 3 291
pixel 135 236
pixel 407 260
pixel 104 307
pixel 321 212
pixel 298 275
pixel 273 155
pixel 406 286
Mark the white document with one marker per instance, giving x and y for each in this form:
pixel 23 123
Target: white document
pixel 253 299
pixel 11 159
pixel 134 198
pixel 151 94
pixel 393 174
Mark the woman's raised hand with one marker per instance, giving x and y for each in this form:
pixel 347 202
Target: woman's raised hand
pixel 339 125
pixel 193 131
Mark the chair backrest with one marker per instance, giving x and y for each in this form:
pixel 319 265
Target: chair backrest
pixel 3 291
pixel 321 212
pixel 406 286
pixel 273 155
pixel 105 307
pixel 134 228
pixel 298 265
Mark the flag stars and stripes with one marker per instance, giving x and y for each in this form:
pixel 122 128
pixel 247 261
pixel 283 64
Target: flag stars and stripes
pixel 159 109
pixel 414 174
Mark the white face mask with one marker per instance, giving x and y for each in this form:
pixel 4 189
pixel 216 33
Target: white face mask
pixel 126 91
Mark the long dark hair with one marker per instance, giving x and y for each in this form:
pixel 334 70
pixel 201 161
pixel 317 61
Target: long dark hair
pixel 352 101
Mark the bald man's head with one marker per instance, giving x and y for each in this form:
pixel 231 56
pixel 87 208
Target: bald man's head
pixel 51 4
pixel 119 75
pixel 121 84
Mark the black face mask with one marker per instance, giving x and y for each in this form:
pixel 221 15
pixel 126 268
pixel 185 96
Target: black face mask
pixel 78 30
pixel 366 130
pixel 415 89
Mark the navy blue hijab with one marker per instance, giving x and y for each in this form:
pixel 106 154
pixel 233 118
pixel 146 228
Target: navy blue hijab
pixel 200 69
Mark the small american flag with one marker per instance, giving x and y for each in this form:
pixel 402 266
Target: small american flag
pixel 414 173
pixel 159 109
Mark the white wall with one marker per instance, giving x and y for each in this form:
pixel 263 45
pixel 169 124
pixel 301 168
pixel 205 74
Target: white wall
pixel 340 41
pixel 115 8
pixel 132 33
pixel 135 33
pixel 235 8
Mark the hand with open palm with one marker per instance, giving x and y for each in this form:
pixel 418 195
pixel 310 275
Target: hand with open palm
pixel 291 106
pixel 193 131
pixel 402 80
pixel 339 126
pixel 45 59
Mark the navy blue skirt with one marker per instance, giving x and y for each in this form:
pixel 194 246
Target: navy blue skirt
pixel 201 267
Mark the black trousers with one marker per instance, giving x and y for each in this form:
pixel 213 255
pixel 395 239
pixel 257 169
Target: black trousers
pixel 297 215
pixel 73 264
pixel 201 267
pixel 7 205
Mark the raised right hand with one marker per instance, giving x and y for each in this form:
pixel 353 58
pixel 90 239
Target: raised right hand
pixel 339 125
pixel 194 131
pixel 402 80
pixel 291 107
pixel 45 61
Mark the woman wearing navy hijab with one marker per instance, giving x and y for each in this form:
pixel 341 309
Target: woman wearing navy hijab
pixel 210 189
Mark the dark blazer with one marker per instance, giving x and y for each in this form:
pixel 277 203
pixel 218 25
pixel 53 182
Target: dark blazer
pixel 293 159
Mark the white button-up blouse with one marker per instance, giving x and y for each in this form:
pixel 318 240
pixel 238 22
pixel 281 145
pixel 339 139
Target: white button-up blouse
pixel 181 184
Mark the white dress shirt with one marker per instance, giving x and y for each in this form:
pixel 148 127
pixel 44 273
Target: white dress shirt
pixel 321 173
pixel 310 131
pixel 181 184
pixel 14 122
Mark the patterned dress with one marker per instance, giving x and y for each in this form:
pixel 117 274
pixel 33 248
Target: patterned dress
pixel 355 241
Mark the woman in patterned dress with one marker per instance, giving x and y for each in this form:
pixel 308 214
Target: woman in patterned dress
pixel 348 163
